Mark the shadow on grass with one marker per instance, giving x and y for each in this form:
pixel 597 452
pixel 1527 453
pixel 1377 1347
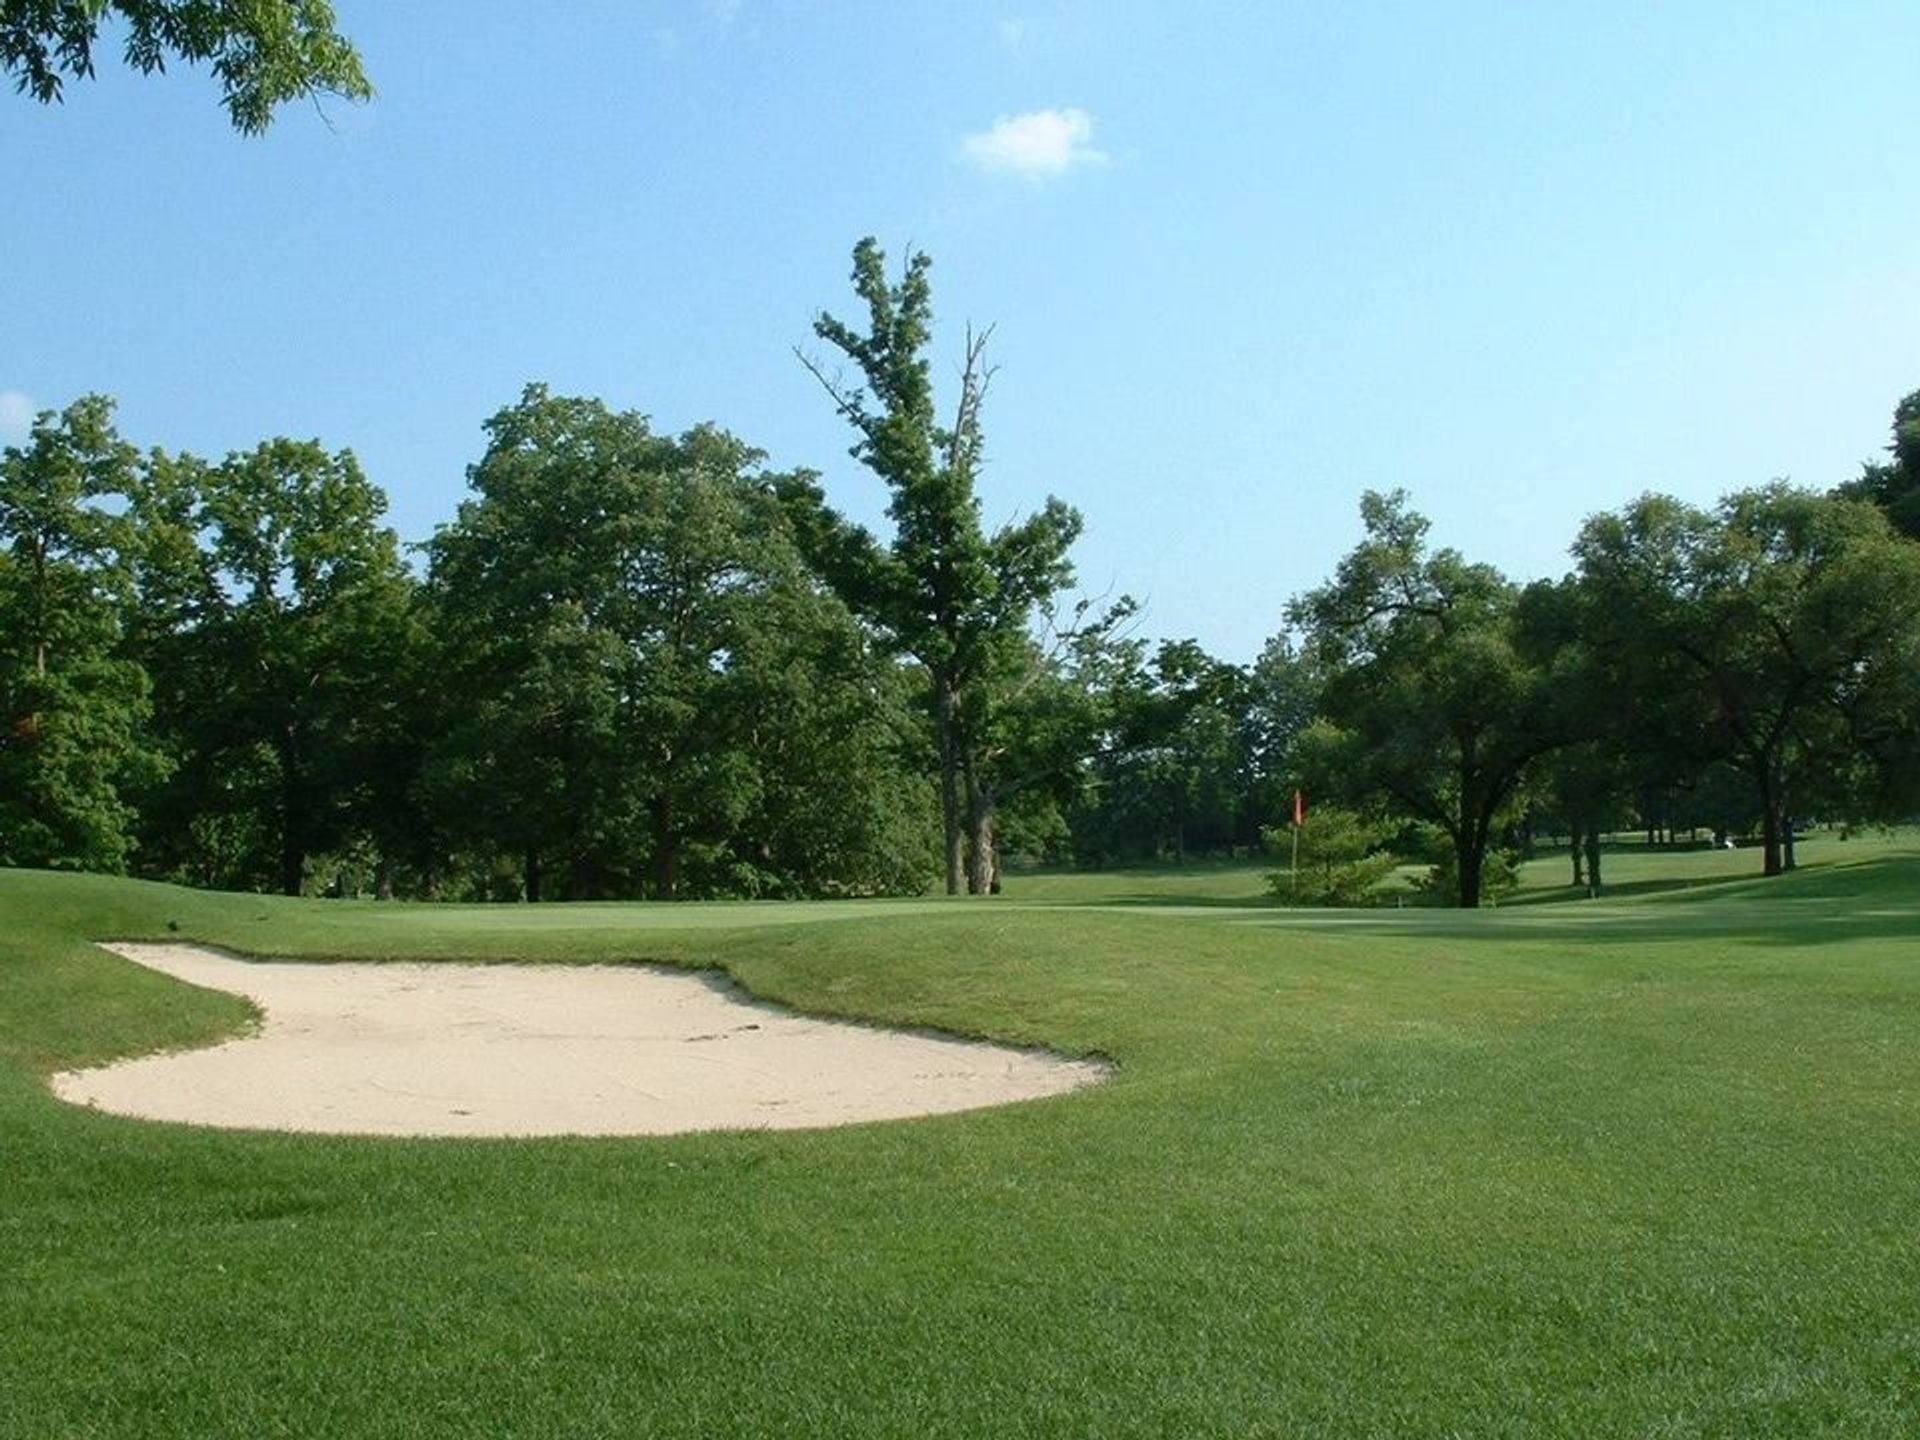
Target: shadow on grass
pixel 1554 897
pixel 1148 900
pixel 1577 894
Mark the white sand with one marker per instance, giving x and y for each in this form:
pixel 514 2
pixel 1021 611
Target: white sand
pixel 405 1049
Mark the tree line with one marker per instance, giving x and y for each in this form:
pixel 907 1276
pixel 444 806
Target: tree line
pixel 1731 669
pixel 640 664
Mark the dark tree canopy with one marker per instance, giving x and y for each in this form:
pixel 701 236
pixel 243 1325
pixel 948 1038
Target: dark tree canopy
pixel 649 690
pixel 1894 485
pixel 73 709
pixel 280 665
pixel 265 52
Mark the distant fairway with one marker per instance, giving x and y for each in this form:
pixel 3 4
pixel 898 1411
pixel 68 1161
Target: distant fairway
pixel 1636 1166
pixel 1628 868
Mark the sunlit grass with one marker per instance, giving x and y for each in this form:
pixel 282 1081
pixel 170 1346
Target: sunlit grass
pixel 1636 1166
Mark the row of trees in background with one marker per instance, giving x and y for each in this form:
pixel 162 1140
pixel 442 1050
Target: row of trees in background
pixel 1726 670
pixel 1730 668
pixel 640 664
pixel 634 664
pixel 616 676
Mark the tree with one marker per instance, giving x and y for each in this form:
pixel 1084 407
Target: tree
pixel 1283 689
pixel 824 725
pixel 1894 485
pixel 73 709
pixel 648 682
pixel 182 836
pixel 1587 782
pixel 1167 776
pixel 537 582
pixel 957 600
pixel 287 655
pixel 1584 785
pixel 265 52
pixel 1341 858
pixel 1785 621
pixel 1432 707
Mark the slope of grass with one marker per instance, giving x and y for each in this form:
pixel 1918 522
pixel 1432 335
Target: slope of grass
pixel 1240 882
pixel 1627 1167
pixel 1628 867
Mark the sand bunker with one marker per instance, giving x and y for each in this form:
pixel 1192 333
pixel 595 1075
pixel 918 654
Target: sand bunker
pixel 393 1049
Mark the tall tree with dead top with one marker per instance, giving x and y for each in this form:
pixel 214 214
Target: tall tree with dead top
pixel 956 599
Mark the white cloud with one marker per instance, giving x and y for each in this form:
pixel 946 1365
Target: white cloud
pixel 1037 145
pixel 16 416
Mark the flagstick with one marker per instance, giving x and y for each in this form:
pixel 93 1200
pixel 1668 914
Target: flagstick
pixel 1299 819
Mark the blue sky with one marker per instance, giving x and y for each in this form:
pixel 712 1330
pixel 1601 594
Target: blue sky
pixel 1244 261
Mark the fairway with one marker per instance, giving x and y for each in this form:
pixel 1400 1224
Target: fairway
pixel 1636 1166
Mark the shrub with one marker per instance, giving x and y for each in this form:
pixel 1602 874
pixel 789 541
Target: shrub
pixel 1340 862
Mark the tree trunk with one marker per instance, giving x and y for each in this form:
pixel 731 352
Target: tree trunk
pixel 952 820
pixel 293 819
pixel 955 834
pixel 666 849
pixel 1470 854
pixel 533 875
pixel 293 864
pixel 581 883
pixel 1786 841
pixel 383 880
pixel 1770 808
pixel 982 864
pixel 1593 859
pixel 1574 847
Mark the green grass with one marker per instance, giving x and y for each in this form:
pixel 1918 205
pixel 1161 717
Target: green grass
pixel 1629 867
pixel 1239 882
pixel 1645 1166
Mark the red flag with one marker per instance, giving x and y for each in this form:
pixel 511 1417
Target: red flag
pixel 1299 807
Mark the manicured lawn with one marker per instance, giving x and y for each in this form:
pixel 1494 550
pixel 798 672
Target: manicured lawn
pixel 1628 867
pixel 1629 1167
pixel 1240 882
